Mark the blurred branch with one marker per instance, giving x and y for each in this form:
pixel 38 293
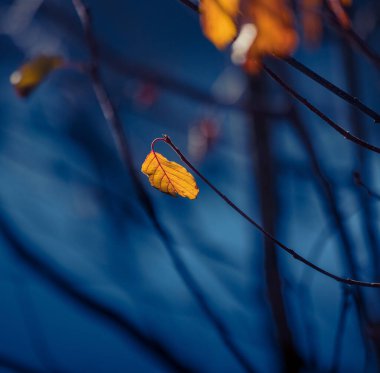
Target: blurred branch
pixel 266 177
pixel 340 330
pixel 368 225
pixel 354 38
pixel 117 130
pixel 15 365
pixel 28 256
pixel 359 182
pixel 331 205
pixel 118 63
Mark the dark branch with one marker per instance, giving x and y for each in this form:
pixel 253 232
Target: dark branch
pixel 290 251
pixel 359 182
pixel 346 134
pixel 340 330
pixel 355 39
pixel 190 5
pixel 332 88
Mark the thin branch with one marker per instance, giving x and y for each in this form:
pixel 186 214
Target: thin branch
pixel 363 158
pixel 352 36
pixel 340 330
pixel 14 365
pixel 266 179
pixel 346 134
pixel 332 88
pixel 290 251
pixel 359 182
pixel 190 4
pixel 114 121
pixel 115 61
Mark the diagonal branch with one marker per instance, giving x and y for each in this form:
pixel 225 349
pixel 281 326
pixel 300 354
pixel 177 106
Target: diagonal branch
pixel 346 134
pixel 287 249
pixel 354 101
pixel 343 314
pixel 42 268
pixel 355 39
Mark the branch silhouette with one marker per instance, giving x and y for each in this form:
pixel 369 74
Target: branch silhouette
pixel 332 88
pixel 346 134
pixel 287 249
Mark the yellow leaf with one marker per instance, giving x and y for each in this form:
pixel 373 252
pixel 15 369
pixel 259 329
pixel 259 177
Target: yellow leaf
pixel 218 19
pixel 32 73
pixel 169 177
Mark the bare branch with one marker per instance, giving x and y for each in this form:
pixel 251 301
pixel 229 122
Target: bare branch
pixel 346 134
pixel 287 249
pixel 332 88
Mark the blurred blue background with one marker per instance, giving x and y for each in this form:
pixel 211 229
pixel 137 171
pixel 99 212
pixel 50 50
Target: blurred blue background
pixel 70 201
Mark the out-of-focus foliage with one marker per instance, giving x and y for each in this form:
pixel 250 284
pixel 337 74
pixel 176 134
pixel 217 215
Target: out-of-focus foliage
pixel 33 72
pixel 218 20
pixel 264 27
pixel 275 31
pixel 169 177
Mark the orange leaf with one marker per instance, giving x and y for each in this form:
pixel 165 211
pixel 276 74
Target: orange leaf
pixel 276 34
pixel 218 19
pixel 169 177
pixel 265 27
pixel 32 73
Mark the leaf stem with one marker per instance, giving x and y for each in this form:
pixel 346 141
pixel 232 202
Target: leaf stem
pixel 287 249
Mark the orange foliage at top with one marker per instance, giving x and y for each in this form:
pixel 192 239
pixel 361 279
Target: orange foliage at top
pixel 272 26
pixel 218 18
pixel 276 35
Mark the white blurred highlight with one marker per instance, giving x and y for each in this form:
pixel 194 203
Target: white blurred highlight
pixel 242 43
